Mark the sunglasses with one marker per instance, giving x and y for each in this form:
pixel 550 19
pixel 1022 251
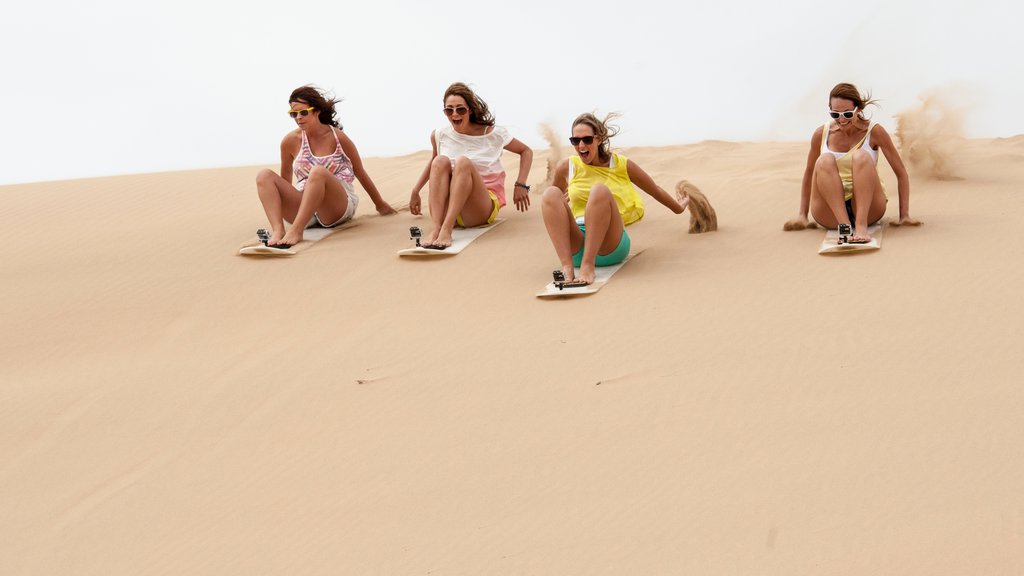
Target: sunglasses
pixel 297 113
pixel 847 114
pixel 575 140
pixel 460 110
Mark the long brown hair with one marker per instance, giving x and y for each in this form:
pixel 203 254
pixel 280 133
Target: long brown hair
pixel 602 129
pixel 849 92
pixel 319 100
pixel 478 111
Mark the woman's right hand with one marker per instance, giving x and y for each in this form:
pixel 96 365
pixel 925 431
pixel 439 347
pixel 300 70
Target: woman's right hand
pixel 414 204
pixel 798 223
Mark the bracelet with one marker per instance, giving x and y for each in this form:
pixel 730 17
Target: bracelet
pixel 521 185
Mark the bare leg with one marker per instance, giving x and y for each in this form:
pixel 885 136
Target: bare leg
pixel 280 201
pixel 868 198
pixel 827 204
pixel 439 189
pixel 562 229
pixel 604 229
pixel 467 198
pixel 323 193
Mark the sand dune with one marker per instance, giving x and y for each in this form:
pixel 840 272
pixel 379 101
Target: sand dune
pixel 731 403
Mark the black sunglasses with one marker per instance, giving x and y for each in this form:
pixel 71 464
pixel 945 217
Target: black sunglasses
pixel 575 140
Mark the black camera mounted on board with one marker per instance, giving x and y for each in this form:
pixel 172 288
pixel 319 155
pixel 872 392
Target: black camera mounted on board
pixel 559 281
pixel 844 234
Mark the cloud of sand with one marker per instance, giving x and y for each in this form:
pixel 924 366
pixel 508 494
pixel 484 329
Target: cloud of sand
pixel 554 156
pixel 930 132
pixel 703 217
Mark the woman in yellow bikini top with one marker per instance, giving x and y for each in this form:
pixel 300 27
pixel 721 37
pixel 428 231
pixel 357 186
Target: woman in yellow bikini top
pixel 841 183
pixel 844 160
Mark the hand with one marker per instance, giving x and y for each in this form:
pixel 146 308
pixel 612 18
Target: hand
pixel 906 220
pixel 385 209
pixel 414 204
pixel 684 200
pixel 798 223
pixel 521 198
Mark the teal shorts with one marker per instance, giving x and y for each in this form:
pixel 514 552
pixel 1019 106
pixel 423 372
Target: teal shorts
pixel 610 259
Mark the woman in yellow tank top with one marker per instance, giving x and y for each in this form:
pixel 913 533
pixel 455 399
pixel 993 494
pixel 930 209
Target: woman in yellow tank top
pixel 841 183
pixel 593 198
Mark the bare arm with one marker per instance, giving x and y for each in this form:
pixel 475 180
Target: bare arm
pixel 805 185
pixel 800 222
pixel 350 150
pixel 289 148
pixel 520 195
pixel 881 137
pixel 561 178
pixel 414 199
pixel 643 181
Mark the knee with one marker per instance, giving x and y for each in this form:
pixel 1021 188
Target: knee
pixel 441 164
pixel 861 159
pixel 319 174
pixel 265 176
pixel 826 163
pixel 600 193
pixel 553 196
pixel 462 165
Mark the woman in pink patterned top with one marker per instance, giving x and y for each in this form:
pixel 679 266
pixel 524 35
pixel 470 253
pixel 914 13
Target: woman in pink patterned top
pixel 324 162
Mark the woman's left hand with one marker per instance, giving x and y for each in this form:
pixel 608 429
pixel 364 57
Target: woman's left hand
pixel 385 209
pixel 906 221
pixel 683 198
pixel 521 198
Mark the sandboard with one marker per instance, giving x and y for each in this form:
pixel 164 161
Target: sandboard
pixel 604 274
pixel 310 236
pixel 831 245
pixel 461 237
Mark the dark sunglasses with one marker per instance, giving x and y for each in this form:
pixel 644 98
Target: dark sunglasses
pixel 460 110
pixel 297 113
pixel 575 140
pixel 847 114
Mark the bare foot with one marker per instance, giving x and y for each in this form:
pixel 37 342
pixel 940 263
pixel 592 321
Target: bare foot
pixel 443 240
pixel 587 274
pixel 429 239
pixel 293 237
pixel 569 272
pixel 275 236
pixel 859 238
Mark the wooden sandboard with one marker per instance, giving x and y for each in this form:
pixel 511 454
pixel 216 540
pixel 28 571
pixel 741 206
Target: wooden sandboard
pixel 310 236
pixel 604 274
pixel 830 244
pixel 461 237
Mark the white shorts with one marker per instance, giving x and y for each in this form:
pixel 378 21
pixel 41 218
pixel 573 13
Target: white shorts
pixel 353 203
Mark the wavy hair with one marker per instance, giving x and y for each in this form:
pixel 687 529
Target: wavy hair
pixel 478 111
pixel 848 91
pixel 602 129
pixel 320 101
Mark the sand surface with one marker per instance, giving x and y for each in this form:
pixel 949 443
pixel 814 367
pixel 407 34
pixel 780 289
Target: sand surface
pixel 731 403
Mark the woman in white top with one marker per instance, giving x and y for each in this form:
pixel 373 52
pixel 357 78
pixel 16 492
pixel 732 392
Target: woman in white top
pixel 841 183
pixel 467 182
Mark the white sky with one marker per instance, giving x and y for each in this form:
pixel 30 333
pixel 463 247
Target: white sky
pixel 113 87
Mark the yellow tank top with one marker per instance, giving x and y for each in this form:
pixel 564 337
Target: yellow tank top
pixel 584 176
